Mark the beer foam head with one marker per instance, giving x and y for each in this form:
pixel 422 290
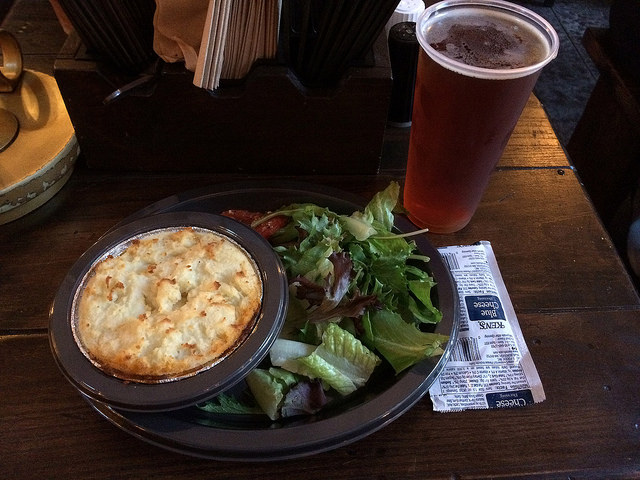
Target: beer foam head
pixel 487 39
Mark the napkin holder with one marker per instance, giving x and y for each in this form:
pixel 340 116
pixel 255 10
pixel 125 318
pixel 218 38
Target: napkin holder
pixel 269 123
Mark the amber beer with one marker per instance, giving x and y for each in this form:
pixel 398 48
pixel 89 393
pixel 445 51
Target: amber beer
pixel 478 63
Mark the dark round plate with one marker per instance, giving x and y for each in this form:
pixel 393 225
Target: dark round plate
pixel 255 438
pixel 98 385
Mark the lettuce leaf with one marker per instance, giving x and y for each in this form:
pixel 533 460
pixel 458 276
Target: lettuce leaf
pixel 359 291
pixel 382 205
pixel 424 311
pixel 345 268
pixel 341 360
pixel 377 216
pixel 285 353
pixel 403 344
pixel 359 225
pixel 269 388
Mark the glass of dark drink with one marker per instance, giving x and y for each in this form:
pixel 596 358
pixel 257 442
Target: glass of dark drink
pixel 478 63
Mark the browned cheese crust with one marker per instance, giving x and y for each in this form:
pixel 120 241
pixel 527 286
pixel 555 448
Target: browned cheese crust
pixel 170 304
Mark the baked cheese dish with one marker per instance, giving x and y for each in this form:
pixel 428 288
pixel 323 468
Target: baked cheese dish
pixel 172 303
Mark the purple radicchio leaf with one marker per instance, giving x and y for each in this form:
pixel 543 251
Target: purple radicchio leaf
pixel 308 290
pixel 329 300
pixel 304 398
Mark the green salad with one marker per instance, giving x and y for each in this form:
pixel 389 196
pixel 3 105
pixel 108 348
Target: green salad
pixel 359 294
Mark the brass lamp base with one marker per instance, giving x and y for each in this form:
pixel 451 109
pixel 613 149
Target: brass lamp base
pixel 9 127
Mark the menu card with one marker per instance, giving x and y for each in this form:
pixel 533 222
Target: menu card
pixel 490 366
pixel 236 34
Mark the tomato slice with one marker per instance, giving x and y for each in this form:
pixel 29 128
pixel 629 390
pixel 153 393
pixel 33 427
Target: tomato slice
pixel 243 216
pixel 266 229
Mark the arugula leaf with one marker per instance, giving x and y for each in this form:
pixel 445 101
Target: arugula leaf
pixel 344 268
pixel 228 404
pixel 359 292
pixel 309 255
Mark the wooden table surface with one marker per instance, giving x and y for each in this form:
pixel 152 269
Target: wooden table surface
pixel 576 305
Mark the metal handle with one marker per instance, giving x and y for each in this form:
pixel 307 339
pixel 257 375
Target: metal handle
pixel 11 71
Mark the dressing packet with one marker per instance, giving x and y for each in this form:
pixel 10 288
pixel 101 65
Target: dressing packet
pixel 490 366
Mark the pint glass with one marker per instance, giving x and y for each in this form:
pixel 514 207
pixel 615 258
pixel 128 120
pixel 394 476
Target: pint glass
pixel 478 63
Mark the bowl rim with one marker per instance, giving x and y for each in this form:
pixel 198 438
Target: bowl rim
pixel 179 432
pixel 124 394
